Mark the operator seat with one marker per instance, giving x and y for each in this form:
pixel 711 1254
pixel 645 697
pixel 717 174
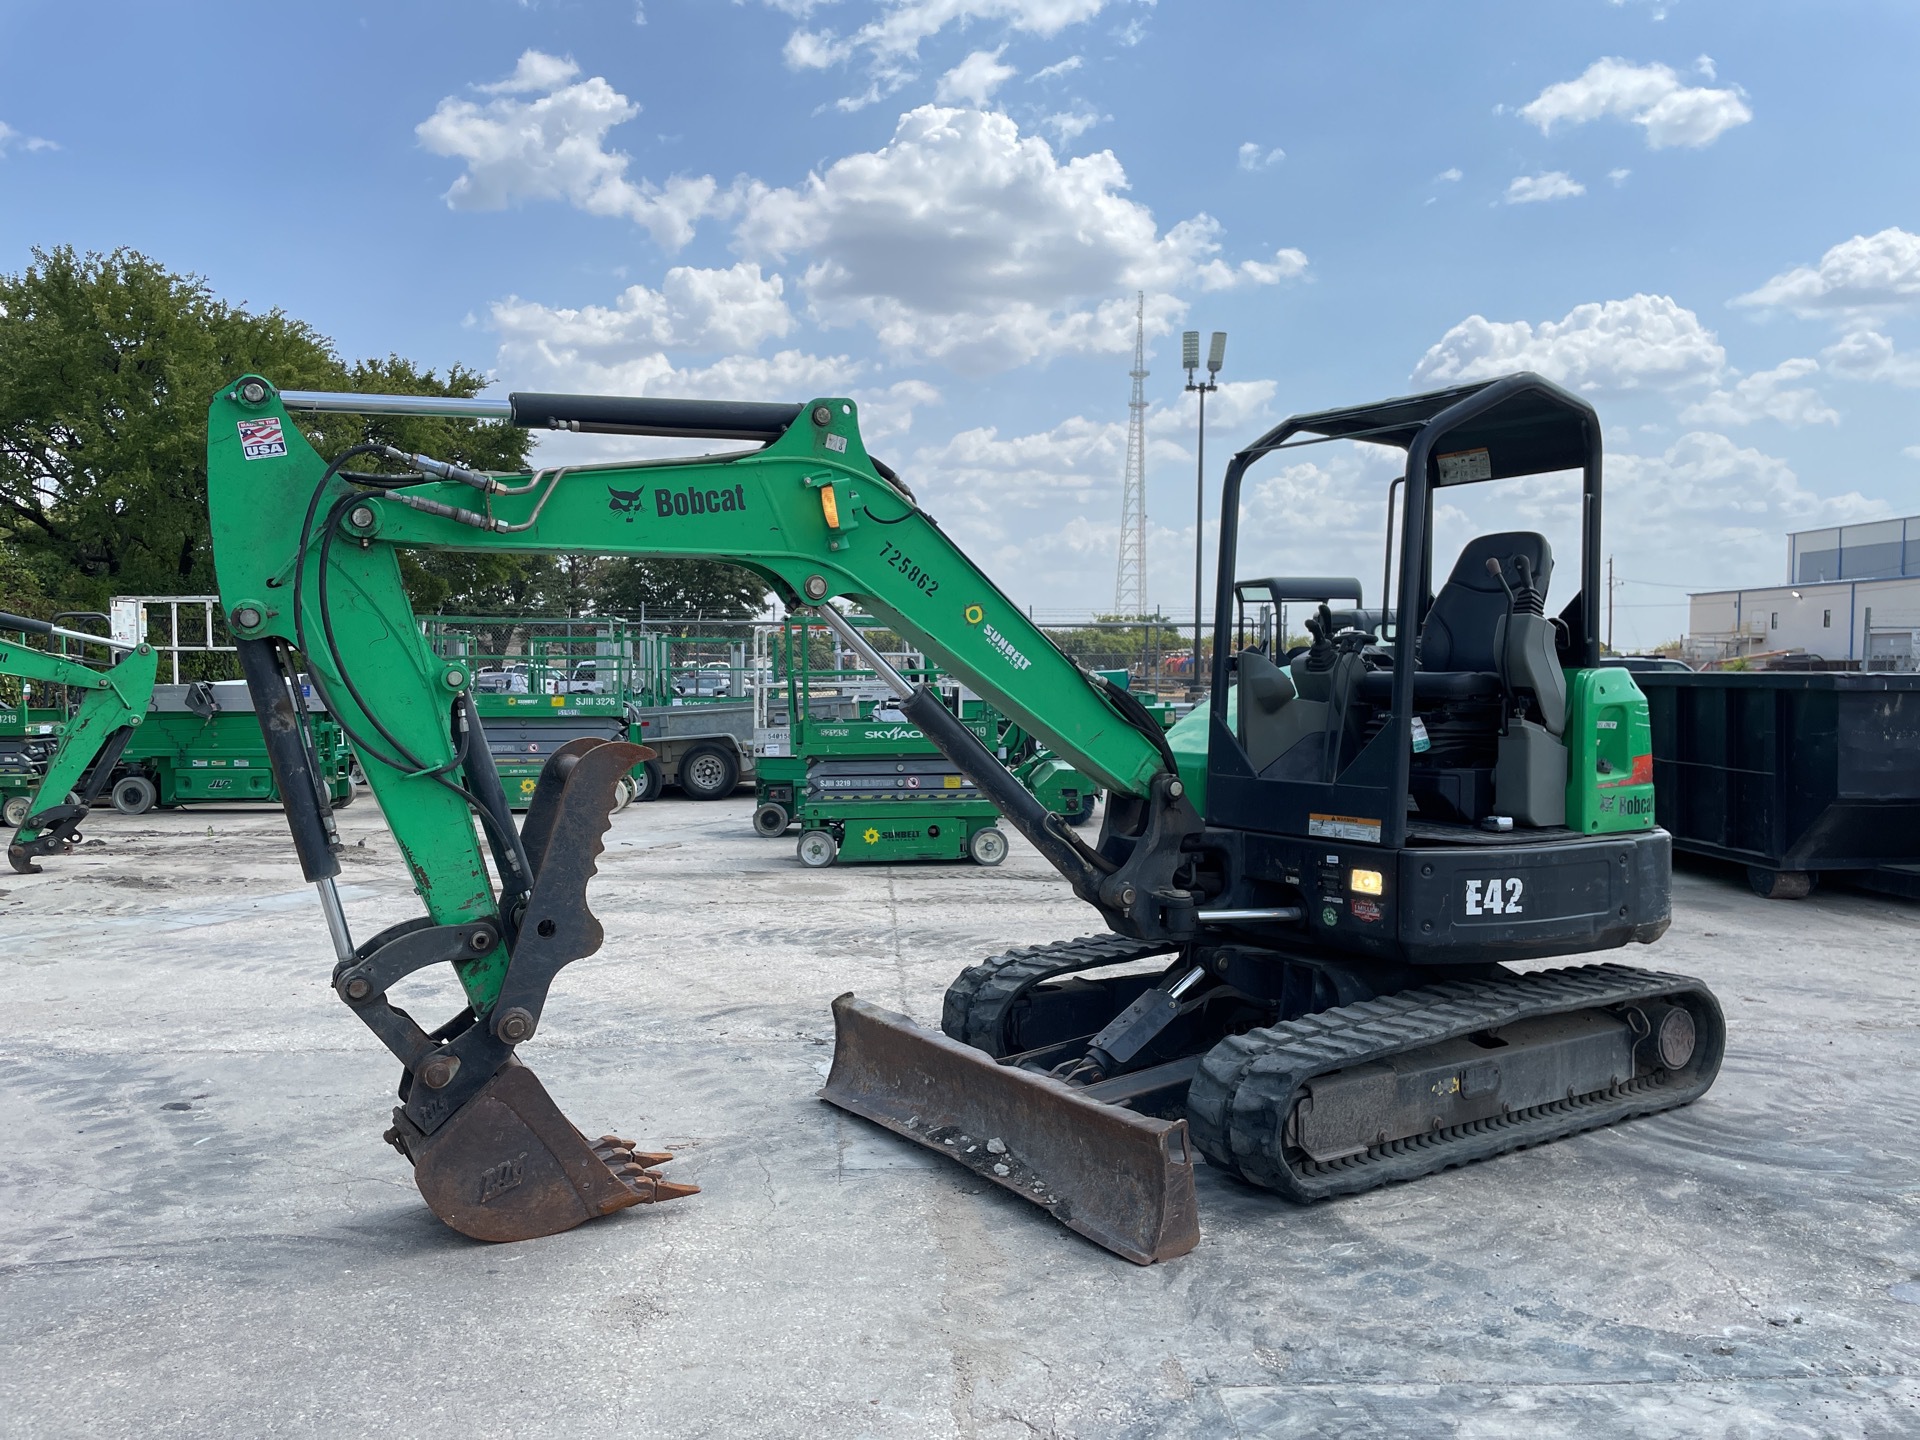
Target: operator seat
pixel 1461 640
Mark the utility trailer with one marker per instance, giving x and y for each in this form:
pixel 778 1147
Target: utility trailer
pixel 1794 776
pixel 542 683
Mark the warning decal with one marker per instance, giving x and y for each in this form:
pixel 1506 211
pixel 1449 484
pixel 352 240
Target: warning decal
pixel 261 439
pixel 1464 466
pixel 1344 827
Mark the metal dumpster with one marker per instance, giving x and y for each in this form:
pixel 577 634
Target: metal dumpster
pixel 1793 775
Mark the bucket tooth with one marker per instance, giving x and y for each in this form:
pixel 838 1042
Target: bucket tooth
pixel 1123 1180
pixel 509 1166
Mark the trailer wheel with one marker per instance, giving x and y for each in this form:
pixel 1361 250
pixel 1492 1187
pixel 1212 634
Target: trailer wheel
pixel 1084 812
pixel 988 846
pixel 817 849
pixel 16 811
pixel 708 773
pixel 134 795
pixel 647 779
pixel 771 820
pixel 623 793
pixel 1779 884
pixel 345 799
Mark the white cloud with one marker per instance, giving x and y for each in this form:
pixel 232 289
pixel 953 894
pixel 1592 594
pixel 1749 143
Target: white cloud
pixel 1067 126
pixel 12 139
pixel 890 43
pixel 1653 97
pixel 552 147
pixel 1343 487
pixel 1869 355
pixel 1656 9
pixel 975 78
pixel 1765 395
pixel 1713 510
pixel 536 70
pixel 1644 341
pixel 733 309
pixel 965 241
pixel 1861 276
pixel 889 412
pixel 1254 156
pixel 1703 65
pixel 1619 176
pixel 1554 185
pixel 1448 176
pixel 1912 452
pixel 1056 70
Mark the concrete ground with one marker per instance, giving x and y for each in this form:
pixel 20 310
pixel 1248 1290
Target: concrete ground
pixel 201 1233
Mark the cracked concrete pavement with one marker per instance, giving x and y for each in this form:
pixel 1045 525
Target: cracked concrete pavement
pixel 201 1233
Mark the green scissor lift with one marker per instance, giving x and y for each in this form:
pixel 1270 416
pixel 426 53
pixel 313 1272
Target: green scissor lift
pixel 872 788
pixel 201 744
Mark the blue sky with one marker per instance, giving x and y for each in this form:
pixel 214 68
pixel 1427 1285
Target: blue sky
pixel 1700 214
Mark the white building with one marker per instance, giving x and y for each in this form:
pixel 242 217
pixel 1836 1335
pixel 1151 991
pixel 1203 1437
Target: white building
pixel 1852 594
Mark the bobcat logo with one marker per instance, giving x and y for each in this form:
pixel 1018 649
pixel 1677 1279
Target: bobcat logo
pixel 624 502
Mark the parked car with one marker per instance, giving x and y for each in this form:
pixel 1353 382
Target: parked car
pixel 585 680
pixel 510 681
pixel 704 683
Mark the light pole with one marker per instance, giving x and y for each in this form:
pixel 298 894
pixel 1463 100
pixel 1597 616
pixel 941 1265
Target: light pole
pixel 1190 362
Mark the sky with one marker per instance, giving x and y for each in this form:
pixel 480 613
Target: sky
pixel 1701 215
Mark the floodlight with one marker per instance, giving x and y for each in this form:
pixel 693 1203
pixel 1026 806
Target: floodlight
pixel 1190 350
pixel 1216 352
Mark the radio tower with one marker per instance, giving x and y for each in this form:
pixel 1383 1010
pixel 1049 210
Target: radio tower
pixel 1130 580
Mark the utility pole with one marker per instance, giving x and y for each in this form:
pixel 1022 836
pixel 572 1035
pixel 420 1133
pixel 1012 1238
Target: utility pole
pixel 1190 361
pixel 1130 579
pixel 1609 602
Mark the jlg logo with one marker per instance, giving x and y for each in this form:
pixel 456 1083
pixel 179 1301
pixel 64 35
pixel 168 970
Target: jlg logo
pixel 496 1180
pixel 1495 897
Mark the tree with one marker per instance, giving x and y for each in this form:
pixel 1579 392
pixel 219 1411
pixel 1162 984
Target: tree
pixel 107 363
pixel 106 367
pixel 679 589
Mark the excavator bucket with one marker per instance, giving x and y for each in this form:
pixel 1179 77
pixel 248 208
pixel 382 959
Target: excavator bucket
pixel 1121 1179
pixel 509 1166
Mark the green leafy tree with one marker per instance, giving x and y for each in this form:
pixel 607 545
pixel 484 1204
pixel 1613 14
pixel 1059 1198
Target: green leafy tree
pixel 106 367
pixel 679 588
pixel 107 363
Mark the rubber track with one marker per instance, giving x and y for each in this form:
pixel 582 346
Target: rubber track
pixel 977 1002
pixel 1239 1102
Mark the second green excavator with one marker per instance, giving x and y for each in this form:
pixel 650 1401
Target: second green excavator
pixel 1306 977
pixel 112 703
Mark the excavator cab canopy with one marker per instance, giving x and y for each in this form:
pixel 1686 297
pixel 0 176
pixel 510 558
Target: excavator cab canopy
pixel 1383 715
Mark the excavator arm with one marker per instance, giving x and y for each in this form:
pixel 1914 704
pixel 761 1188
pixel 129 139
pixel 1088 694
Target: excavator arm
pixel 112 702
pixel 307 552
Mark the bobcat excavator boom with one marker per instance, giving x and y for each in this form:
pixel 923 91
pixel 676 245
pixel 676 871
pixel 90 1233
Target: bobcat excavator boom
pixel 112 702
pixel 307 555
pixel 1298 1031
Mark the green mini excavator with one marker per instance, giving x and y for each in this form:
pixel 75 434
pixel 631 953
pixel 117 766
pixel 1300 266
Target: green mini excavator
pixel 1305 976
pixel 112 703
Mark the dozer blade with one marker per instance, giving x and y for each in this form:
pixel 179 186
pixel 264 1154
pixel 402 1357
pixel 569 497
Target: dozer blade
pixel 1123 1180
pixel 509 1166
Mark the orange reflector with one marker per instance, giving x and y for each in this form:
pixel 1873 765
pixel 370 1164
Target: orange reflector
pixel 830 507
